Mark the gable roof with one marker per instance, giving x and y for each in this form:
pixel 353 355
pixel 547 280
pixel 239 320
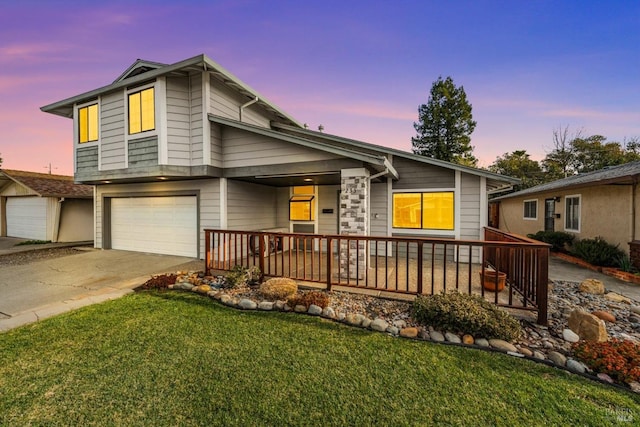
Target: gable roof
pixel 64 108
pixel 46 185
pixel 627 173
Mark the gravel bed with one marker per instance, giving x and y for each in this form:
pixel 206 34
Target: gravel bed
pixel 26 257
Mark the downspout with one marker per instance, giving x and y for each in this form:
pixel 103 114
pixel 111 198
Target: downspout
pixel 243 106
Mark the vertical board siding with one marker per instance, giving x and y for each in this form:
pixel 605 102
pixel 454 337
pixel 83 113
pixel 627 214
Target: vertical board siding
pixel 196 121
pixel 178 121
pixel 250 206
pixel 226 102
pixel 414 174
pixel 470 212
pixel 216 145
pixel 209 201
pixel 328 199
pixel 242 148
pixel 112 118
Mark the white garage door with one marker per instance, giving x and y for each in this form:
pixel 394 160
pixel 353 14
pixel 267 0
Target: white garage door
pixel 161 225
pixel 27 217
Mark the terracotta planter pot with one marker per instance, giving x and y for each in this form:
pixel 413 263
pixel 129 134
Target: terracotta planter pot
pixel 489 283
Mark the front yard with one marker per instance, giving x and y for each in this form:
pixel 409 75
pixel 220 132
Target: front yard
pixel 171 358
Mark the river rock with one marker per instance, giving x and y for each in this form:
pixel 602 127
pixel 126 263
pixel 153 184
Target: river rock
pixel 612 296
pixel 329 313
pixel 467 339
pixel 502 345
pixel 570 336
pixel 225 299
pixel 409 332
pixel 605 315
pixel 635 309
pixel 354 319
pixel 314 310
pixel 299 308
pixel 605 377
pixel 247 304
pixel 539 355
pixel 279 305
pixel 557 358
pixel 265 305
pixel 482 342
pixel 575 366
pixel 592 286
pixel 379 325
pixel 436 336
pixel 366 322
pixel 453 338
pixel 588 326
pixel 393 330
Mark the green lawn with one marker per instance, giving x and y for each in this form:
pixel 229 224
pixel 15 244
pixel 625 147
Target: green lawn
pixel 181 359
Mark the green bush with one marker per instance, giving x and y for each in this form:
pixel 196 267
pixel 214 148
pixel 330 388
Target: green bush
pixel 467 314
pixel 597 252
pixel 557 239
pixel 242 276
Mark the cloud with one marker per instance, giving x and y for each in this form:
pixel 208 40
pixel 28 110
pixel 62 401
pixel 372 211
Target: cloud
pixel 582 113
pixel 29 50
pixel 380 111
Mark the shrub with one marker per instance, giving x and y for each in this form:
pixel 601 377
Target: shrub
pixel 597 252
pixel 161 281
pixel 314 297
pixel 242 276
pixel 557 239
pixel 465 314
pixel 620 359
pixel 624 264
pixel 278 288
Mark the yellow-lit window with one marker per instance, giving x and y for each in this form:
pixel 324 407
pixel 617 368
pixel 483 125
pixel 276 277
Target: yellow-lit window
pixel 432 211
pixel 142 113
pixel 302 204
pixel 88 123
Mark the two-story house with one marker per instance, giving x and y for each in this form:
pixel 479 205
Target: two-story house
pixel 175 149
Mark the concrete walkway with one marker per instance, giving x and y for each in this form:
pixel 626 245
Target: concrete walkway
pixel 562 270
pixel 41 289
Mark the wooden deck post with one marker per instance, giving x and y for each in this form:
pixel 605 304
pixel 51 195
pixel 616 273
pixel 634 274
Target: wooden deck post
pixel 329 261
pixel 261 253
pixel 542 287
pixel 207 252
pixel 419 272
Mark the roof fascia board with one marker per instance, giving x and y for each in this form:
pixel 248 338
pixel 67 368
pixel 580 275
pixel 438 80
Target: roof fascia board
pixel 17 181
pixel 404 154
pixel 621 180
pixel 138 63
pixel 368 158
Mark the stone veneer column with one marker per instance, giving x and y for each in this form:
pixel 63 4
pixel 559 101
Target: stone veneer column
pixel 354 220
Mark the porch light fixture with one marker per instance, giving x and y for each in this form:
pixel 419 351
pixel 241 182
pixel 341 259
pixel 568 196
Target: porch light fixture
pixel 106 182
pixel 308 180
pixel 163 178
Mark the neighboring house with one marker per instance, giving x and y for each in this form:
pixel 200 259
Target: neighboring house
pixel 602 203
pixel 40 206
pixel 176 149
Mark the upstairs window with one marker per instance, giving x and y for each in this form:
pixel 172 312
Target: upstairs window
pixel 530 209
pixel 572 213
pixel 432 211
pixel 302 204
pixel 88 123
pixel 142 114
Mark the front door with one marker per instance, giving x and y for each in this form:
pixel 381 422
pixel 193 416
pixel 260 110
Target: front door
pixel 549 214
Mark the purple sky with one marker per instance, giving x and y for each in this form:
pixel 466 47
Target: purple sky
pixel 359 68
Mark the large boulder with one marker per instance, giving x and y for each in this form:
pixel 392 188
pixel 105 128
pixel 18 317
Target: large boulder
pixel 592 286
pixel 587 326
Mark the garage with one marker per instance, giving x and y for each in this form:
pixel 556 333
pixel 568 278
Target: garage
pixel 27 217
pixel 162 225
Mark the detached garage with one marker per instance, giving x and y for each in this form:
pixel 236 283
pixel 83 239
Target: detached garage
pixel 39 206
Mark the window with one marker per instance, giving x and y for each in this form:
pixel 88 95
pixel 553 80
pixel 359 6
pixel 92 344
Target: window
pixel 572 213
pixel 88 123
pixel 141 111
pixel 423 210
pixel 530 209
pixel 302 204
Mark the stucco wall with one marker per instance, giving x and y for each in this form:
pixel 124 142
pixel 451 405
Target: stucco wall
pixel 76 220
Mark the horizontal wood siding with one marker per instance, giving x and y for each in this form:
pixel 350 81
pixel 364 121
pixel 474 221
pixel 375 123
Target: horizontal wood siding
pixel 378 206
pixel 112 146
pixel 216 145
pixel 250 206
pixel 196 119
pixel 86 159
pixel 226 102
pixel 178 121
pixel 143 152
pixel 415 174
pixel 241 148
pixel 470 227
pixel 282 207
pixel 209 208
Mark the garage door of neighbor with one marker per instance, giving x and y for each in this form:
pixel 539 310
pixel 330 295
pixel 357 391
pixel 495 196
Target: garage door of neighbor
pixel 27 217
pixel 161 225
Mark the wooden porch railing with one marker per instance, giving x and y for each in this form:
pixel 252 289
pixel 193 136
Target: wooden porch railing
pixel 392 264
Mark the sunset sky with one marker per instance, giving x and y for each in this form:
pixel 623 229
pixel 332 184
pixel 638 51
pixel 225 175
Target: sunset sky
pixel 359 68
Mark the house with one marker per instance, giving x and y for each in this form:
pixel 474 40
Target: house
pixel 42 206
pixel 602 203
pixel 176 149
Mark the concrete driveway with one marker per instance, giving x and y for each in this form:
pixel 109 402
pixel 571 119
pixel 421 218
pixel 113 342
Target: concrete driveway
pixel 45 288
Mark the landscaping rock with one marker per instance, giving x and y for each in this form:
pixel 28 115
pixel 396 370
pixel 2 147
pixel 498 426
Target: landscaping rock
pixel 604 377
pixel 635 386
pixel 453 338
pixel 539 355
pixel 588 326
pixel 612 296
pixel 482 342
pixel 225 299
pixel 424 334
pixel 203 289
pixel 502 345
pixel 467 339
pixel 575 366
pixel 329 313
pixel 247 304
pixel 436 336
pixel 592 286
pixel 266 305
pixel 365 322
pixel 299 308
pixel 379 325
pixel 605 315
pixel 399 324
pixel 287 307
pixel 557 358
pixel 341 316
pixel 409 332
pixel 635 309
pixel 393 330
pixel 279 305
pixel 354 319
pixel 314 310
pixel 570 336
pixel 526 351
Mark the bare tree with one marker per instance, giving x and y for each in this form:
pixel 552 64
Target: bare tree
pixel 559 161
